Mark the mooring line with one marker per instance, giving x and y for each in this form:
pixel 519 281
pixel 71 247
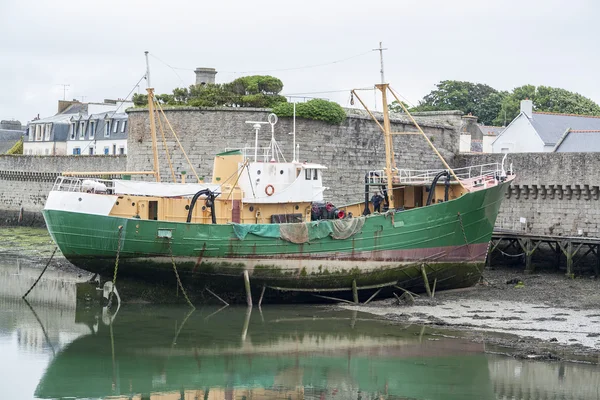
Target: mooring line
pixel 177 276
pixel 114 282
pixel 40 277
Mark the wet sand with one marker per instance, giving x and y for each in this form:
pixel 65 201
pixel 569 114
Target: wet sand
pixel 547 316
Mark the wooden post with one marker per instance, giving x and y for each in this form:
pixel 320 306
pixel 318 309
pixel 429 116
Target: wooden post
pixel 247 285
pixel 597 265
pixel 570 258
pixel 425 280
pixel 354 292
pixel 528 254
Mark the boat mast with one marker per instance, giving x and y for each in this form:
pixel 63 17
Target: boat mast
pixel 150 91
pixel 390 161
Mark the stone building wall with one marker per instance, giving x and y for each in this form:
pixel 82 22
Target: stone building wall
pixel 348 150
pixel 25 181
pixel 556 193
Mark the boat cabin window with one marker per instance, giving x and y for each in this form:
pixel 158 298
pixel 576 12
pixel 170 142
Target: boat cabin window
pixel 308 174
pixel 316 174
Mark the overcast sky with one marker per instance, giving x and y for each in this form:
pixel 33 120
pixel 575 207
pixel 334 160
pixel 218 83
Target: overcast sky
pixel 97 47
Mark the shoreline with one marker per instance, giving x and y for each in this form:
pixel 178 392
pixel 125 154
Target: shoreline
pixel 547 316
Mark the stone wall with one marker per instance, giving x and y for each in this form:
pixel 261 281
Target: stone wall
pixel 556 193
pixel 349 150
pixel 26 180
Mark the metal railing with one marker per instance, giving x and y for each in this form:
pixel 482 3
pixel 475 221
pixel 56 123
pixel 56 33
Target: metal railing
pixel 264 154
pixel 413 176
pixel 74 184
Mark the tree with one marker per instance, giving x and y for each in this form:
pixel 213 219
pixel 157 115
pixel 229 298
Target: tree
pixel 546 99
pixel 470 98
pixel 316 109
pixel 396 108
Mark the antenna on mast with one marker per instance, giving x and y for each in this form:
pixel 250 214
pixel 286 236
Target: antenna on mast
pixel 148 70
pixel 380 49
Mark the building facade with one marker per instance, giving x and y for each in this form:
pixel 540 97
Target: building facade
pixel 80 129
pixel 98 134
pixel 537 132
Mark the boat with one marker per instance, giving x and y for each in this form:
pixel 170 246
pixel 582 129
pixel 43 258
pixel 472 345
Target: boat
pixel 262 224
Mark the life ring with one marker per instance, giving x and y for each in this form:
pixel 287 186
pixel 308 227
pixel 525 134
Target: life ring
pixel 269 190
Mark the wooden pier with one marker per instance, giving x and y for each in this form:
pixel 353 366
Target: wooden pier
pixel 574 248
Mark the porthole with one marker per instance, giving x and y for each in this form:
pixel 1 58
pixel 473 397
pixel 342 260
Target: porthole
pixel 281 172
pixel 297 207
pixel 251 208
pixel 258 172
pixel 132 204
pixel 187 207
pixel 203 208
pixel 117 203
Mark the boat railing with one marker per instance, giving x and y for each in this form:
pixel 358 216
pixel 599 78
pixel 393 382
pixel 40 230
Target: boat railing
pixel 413 176
pixel 263 154
pixel 75 184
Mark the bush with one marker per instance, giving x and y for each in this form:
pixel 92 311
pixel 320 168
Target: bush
pixel 317 109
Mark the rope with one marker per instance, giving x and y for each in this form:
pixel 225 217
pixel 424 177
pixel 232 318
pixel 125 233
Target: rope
pixel 178 142
pixel 510 255
pixel 177 276
pixel 40 277
pixel 114 281
pixel 464 235
pixel 164 139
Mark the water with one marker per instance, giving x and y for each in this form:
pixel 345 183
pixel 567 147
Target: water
pixel 65 345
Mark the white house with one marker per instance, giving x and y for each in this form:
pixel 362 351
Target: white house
pixel 80 129
pixel 532 132
pixel 104 134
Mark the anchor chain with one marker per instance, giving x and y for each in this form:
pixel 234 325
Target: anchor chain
pixel 177 276
pixel 114 281
pixel 464 235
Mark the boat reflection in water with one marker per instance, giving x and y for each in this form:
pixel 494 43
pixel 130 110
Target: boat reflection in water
pixel 61 348
pixel 279 353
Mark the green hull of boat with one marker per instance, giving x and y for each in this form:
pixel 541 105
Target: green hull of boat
pixel 450 240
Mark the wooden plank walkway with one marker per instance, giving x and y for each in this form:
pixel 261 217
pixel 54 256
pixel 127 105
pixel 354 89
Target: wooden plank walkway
pixel 528 243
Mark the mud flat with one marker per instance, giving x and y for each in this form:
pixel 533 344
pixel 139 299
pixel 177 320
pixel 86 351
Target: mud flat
pixel 546 316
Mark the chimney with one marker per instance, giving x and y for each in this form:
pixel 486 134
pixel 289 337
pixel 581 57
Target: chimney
pixel 205 75
pixel 527 107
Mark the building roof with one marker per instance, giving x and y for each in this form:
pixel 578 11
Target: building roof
pixel 488 130
pixel 576 141
pixel 551 127
pixel 8 138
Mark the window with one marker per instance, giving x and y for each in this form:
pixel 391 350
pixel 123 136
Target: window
pixel 504 150
pixel 115 126
pixel 114 149
pixel 38 132
pixel 47 131
pixel 122 150
pixel 76 151
pixel 106 151
pixel 92 129
pixel 82 130
pixel 316 174
pixel 72 130
pixel 123 123
pixel 91 151
pixel 106 128
pixel 308 174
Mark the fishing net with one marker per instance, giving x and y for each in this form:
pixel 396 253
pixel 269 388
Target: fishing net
pixel 345 228
pixel 303 232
